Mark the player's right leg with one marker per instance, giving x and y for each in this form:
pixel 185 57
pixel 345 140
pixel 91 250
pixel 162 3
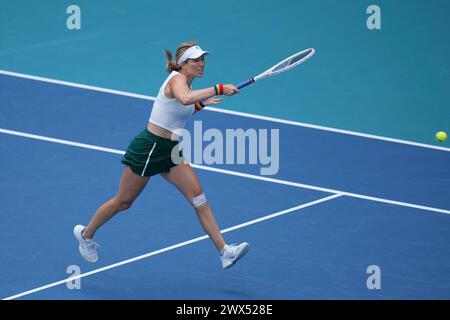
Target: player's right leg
pixel 131 185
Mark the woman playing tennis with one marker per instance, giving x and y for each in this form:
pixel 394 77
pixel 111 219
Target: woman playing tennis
pixel 150 153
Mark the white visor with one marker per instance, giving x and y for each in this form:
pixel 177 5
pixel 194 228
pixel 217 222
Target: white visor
pixel 191 53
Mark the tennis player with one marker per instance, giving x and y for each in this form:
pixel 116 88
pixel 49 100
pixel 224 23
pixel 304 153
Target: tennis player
pixel 150 153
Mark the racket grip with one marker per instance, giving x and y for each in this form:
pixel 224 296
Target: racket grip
pixel 245 83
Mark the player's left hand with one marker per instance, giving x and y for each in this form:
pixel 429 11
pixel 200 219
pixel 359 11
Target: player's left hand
pixel 212 100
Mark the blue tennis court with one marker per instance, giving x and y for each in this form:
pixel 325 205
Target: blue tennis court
pixel 339 203
pixel 320 250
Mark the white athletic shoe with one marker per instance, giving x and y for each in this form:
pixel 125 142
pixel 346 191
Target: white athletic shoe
pixel 88 247
pixel 232 253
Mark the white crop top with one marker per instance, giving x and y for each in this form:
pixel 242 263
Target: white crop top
pixel 167 113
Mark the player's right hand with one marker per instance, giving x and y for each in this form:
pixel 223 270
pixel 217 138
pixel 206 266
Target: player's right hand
pixel 229 89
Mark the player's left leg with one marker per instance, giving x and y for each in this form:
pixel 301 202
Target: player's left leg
pixel 184 178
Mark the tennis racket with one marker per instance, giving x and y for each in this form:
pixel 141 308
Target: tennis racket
pixel 282 66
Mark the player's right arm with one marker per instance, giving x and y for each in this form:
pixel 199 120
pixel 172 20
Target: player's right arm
pixel 178 88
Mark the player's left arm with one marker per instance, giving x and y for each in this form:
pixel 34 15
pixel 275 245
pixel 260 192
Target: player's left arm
pixel 207 102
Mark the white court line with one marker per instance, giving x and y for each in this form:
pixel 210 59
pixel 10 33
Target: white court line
pixel 76 85
pixel 310 187
pixel 235 113
pixel 323 128
pixel 234 173
pixel 175 246
pixel 60 141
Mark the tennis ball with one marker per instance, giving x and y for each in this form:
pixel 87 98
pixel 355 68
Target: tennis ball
pixel 441 136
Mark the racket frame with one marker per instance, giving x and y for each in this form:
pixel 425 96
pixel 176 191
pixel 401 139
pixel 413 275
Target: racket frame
pixel 270 72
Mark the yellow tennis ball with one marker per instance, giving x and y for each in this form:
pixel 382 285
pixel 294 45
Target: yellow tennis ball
pixel 441 136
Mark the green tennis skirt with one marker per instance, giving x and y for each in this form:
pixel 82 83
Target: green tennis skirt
pixel 149 154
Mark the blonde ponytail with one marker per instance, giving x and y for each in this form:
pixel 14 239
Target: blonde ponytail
pixel 172 65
